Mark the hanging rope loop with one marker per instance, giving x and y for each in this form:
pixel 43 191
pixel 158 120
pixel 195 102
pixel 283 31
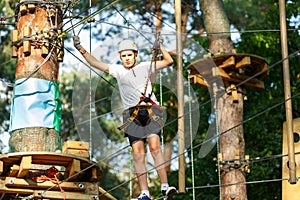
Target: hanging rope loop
pixel 156 46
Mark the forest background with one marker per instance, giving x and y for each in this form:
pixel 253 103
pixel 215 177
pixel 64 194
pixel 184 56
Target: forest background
pixel 89 99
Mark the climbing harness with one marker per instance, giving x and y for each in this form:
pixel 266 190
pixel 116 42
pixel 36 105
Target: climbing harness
pixel 137 116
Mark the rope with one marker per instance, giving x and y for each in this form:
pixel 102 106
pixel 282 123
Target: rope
pixel 126 21
pixel 152 68
pixel 102 77
pixel 239 183
pixel 89 17
pixel 217 133
pixel 50 175
pixel 33 72
pixel 191 136
pixel 161 104
pixel 90 94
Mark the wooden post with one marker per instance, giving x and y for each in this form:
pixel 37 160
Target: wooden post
pixel 287 93
pixel 180 89
pixel 290 191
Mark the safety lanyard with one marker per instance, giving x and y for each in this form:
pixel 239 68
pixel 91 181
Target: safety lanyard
pixel 150 72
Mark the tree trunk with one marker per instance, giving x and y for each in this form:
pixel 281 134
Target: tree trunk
pixel 230 114
pixel 232 145
pixel 36 111
pixel 217 25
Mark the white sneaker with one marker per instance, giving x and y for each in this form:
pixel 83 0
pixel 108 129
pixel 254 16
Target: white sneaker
pixel 168 194
pixel 142 197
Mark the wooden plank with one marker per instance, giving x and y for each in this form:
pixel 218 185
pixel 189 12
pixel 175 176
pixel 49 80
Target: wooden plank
pixel 94 176
pixel 24 166
pixel 264 69
pixel 4 189
pixel 197 79
pixel 14 170
pixel 237 78
pixel 75 145
pixel 1 167
pixel 105 195
pixel 246 61
pixel 60 195
pixel 234 94
pixel 78 152
pixel 45 158
pixel 12 182
pixel 31 7
pixel 229 62
pixel 74 168
pixel 223 73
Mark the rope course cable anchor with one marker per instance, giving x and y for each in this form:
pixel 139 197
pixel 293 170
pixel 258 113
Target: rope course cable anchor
pixel 234 164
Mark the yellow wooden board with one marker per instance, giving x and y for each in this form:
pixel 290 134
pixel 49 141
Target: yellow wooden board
pixel 78 152
pixel 75 145
pixel 290 191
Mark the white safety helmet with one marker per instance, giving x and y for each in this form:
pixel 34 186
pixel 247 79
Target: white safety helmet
pixel 127 45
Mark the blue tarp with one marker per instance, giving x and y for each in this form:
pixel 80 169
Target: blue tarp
pixel 36 103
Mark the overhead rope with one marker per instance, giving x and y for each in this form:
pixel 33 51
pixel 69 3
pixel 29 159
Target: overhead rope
pixel 90 16
pixel 204 33
pixel 102 77
pixel 126 21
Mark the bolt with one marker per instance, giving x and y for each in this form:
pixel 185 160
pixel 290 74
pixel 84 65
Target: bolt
pixel 11 181
pixel 80 185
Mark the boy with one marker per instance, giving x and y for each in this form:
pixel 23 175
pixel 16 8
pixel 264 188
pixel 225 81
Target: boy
pixel 141 121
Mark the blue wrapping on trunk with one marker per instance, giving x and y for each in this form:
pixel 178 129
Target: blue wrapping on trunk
pixel 36 103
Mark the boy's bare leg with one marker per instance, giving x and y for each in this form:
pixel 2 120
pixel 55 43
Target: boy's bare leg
pixel 156 152
pixel 138 148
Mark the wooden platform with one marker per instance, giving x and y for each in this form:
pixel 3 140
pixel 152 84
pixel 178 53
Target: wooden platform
pixel 232 68
pixel 30 174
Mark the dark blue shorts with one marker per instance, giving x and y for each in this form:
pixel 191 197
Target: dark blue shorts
pixel 144 123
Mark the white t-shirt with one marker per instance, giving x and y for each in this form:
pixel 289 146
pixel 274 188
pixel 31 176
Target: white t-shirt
pixel 132 82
